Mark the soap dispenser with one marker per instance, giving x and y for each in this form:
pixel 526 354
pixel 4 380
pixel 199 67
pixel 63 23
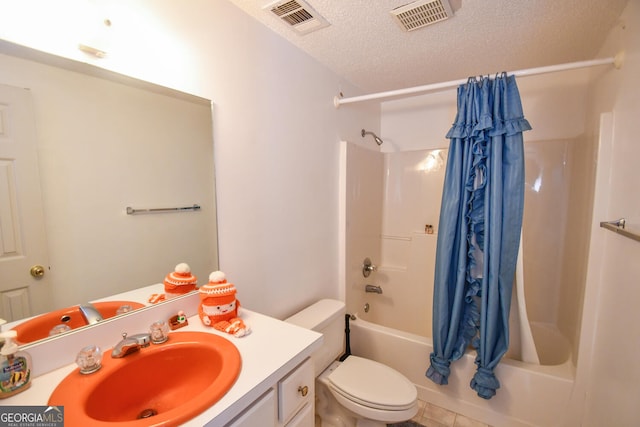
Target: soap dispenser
pixel 15 366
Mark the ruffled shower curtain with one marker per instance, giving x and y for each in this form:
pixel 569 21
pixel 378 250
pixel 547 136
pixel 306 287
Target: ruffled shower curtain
pixel 479 230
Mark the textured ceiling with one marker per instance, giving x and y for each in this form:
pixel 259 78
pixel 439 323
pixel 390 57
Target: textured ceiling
pixel 368 48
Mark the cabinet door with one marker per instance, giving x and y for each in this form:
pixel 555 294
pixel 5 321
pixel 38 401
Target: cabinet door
pixel 261 413
pixel 304 418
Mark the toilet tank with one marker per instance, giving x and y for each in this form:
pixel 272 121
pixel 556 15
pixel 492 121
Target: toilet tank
pixel 327 317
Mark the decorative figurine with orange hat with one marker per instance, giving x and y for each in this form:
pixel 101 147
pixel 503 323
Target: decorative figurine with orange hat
pixel 219 306
pixel 180 281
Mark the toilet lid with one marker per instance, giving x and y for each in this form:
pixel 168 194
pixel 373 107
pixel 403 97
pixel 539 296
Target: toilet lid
pixel 373 384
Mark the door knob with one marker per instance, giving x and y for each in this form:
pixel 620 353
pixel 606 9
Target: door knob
pixel 37 271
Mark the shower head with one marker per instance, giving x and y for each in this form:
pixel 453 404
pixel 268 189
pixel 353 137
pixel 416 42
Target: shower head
pixel 375 137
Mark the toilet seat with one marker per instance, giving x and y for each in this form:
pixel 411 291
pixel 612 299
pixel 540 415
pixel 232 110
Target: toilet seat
pixel 373 385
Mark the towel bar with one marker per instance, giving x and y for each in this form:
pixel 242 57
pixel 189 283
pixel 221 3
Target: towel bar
pixel 619 226
pixel 132 211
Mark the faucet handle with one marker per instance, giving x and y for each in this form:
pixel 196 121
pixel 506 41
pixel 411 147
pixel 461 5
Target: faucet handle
pixel 159 332
pixel 368 267
pixel 89 359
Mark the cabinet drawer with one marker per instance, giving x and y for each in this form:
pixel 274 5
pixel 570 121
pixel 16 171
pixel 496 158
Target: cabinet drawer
pixel 296 389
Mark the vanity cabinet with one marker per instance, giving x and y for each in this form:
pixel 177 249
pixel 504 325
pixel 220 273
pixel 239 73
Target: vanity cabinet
pixel 275 387
pixel 289 404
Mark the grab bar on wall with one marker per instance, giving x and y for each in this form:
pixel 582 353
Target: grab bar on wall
pixel 620 226
pixel 132 211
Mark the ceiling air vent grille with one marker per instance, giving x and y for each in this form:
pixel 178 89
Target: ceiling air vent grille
pixel 422 13
pixel 298 15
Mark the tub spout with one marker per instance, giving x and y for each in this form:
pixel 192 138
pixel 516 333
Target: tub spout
pixel 373 289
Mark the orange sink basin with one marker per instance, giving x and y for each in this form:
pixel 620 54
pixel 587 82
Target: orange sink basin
pixel 40 326
pixel 169 383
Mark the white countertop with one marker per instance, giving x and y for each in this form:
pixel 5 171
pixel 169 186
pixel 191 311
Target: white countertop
pixel 271 350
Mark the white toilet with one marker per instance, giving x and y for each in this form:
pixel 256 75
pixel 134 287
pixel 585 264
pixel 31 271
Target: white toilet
pixel 357 392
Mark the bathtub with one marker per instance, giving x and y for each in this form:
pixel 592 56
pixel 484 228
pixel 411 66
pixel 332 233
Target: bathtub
pixel 530 395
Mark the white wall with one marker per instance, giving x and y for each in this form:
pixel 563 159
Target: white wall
pixel 611 395
pixel 276 131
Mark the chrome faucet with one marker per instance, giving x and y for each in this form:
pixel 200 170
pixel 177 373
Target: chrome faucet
pixel 373 288
pixel 90 313
pixel 130 344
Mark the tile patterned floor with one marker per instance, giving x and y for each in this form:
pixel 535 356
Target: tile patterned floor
pixel 430 415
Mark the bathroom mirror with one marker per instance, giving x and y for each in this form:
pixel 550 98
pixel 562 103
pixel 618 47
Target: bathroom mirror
pixel 104 142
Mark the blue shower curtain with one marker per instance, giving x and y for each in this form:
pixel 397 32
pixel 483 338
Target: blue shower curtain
pixel 479 230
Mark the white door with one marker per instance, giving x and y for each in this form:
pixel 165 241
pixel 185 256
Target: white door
pixel 22 232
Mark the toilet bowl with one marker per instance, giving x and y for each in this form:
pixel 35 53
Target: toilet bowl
pixel 356 392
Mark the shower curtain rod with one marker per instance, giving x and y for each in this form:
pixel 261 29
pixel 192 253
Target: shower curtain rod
pixel 616 61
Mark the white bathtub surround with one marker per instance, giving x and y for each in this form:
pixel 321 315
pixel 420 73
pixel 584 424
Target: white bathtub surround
pixel 389 197
pixel 388 226
pixel 527 345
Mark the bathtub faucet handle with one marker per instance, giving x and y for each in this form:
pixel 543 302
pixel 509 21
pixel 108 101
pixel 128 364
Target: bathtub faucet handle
pixel 368 267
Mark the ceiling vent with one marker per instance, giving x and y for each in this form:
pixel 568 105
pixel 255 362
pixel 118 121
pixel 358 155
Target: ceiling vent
pixel 298 15
pixel 422 13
